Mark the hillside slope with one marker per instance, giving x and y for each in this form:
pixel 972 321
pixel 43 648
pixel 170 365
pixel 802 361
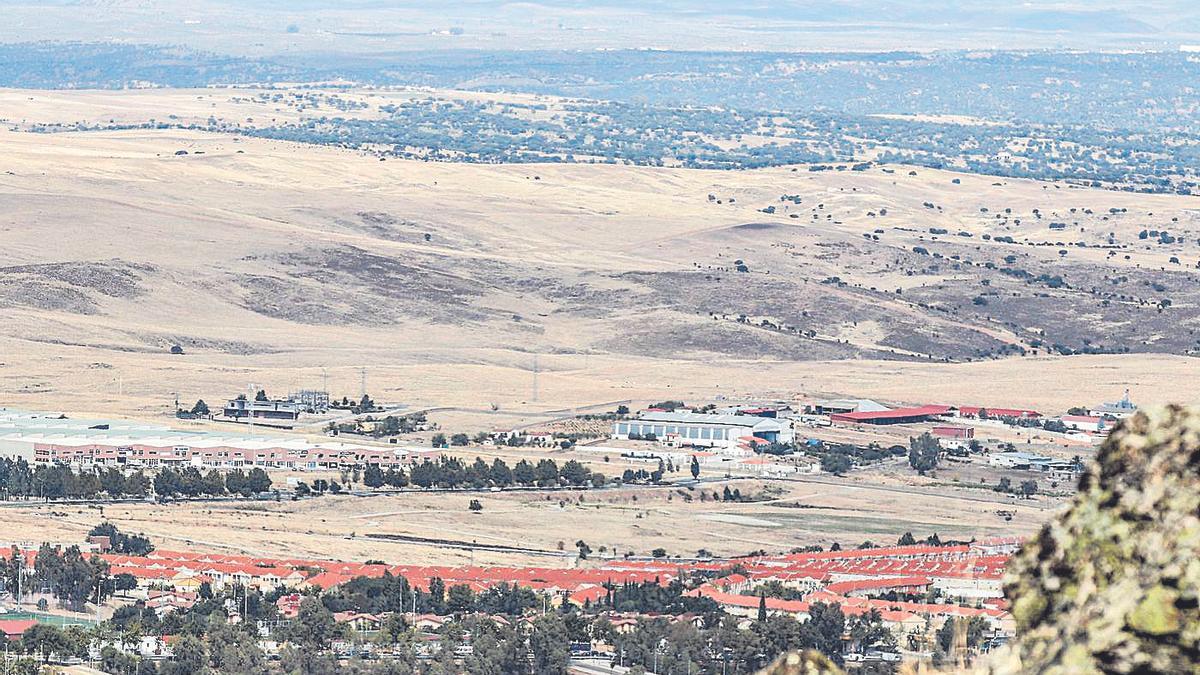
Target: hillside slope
pixel 251 253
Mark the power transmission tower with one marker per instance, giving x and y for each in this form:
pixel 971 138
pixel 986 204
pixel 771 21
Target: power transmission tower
pixel 535 378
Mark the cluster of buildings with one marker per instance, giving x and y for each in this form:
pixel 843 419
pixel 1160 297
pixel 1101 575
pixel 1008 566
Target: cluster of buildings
pixel 1028 461
pixel 728 430
pixel 56 439
pixel 924 585
pixel 310 401
pixel 740 430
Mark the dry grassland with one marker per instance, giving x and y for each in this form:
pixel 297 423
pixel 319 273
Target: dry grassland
pixel 276 264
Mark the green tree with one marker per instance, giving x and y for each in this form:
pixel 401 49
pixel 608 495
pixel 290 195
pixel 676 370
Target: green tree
pixel 460 599
pixel 924 452
pixel 1028 488
pixel 871 633
pixel 189 657
pixel 575 473
pixel 11 572
pixel 549 643
pixel 137 485
pixel 257 481
pixel 235 483
pixel 523 473
pixel 500 474
pixel 214 483
pixel 825 627
pixel 835 463
pixel 45 641
pixel 116 662
pixel 396 478
pixel 437 595
pixel 201 408
pixel 112 481
pixel 546 472
pixel 233 650
pixel 373 476
pixel 314 625
pixel 167 483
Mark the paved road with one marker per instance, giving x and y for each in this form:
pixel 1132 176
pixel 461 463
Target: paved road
pixel 595 666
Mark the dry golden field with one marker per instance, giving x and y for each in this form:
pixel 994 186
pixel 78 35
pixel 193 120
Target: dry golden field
pixel 811 511
pixel 272 263
pixel 277 265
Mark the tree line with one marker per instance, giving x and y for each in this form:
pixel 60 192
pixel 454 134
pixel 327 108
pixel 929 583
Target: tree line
pixel 190 482
pixel 452 472
pixel 20 480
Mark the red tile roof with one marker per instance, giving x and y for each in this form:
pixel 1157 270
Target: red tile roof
pixel 897 413
pixel 972 410
pixel 589 594
pixel 844 587
pixel 13 628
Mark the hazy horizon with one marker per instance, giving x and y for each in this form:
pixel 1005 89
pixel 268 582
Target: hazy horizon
pixel 274 28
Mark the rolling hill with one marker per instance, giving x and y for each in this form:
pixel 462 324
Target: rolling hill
pixel 275 263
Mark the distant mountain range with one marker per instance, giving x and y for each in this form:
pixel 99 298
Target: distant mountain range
pixel 271 27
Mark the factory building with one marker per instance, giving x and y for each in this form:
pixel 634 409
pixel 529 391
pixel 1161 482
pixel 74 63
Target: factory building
pixel 702 430
pixel 55 439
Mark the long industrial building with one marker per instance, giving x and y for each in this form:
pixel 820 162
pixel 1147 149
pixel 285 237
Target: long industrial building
pixel 56 439
pixel 697 429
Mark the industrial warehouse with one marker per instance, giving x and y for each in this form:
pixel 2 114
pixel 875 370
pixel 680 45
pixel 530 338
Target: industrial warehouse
pixel 702 430
pixel 55 439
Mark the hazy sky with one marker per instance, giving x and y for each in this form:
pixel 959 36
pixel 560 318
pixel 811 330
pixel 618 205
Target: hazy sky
pixel 374 26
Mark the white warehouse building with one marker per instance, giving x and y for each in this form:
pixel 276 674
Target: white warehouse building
pixel 712 431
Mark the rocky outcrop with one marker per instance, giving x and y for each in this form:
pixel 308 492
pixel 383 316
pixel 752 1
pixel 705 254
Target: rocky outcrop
pixel 1113 584
pixel 802 663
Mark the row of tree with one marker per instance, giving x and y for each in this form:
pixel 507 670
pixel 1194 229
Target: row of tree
pixel 452 472
pixel 20 480
pixel 189 482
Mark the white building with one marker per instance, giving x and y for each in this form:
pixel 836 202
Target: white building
pixel 1118 409
pixel 1017 460
pixel 1090 423
pixel 701 430
pixel 846 405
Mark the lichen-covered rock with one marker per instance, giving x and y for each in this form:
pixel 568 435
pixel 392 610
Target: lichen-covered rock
pixel 1113 584
pixel 802 663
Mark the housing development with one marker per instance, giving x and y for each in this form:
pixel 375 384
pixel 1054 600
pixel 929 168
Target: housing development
pixel 599 337
pixel 911 596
